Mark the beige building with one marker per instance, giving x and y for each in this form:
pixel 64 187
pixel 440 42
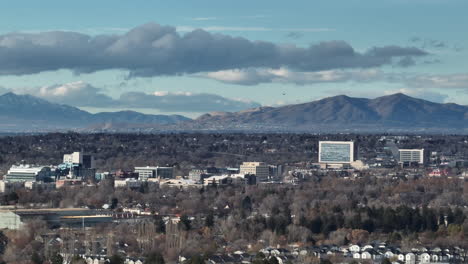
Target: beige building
pixel 260 169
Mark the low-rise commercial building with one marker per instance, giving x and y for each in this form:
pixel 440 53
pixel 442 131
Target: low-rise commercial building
pixel 6 186
pixel 10 220
pixel 259 169
pixel 180 183
pixel 68 182
pixel 408 156
pixel 230 179
pixel 128 183
pixel 24 173
pixel 198 175
pixel 276 172
pixel 144 173
pixel 39 185
pixel 54 217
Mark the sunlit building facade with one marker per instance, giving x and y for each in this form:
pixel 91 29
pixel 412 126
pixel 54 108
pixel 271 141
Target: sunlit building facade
pixel 336 152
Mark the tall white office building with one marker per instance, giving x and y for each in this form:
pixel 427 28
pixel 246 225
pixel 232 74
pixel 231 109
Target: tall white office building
pixel 336 152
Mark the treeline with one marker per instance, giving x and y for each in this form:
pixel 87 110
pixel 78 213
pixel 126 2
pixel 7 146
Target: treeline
pixel 391 223
pixel 385 219
pixel 224 219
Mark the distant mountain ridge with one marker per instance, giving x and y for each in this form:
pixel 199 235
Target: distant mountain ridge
pixel 26 112
pixel 397 111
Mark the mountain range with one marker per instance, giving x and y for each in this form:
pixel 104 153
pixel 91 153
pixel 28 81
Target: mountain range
pixel 341 113
pixel 397 112
pixel 29 113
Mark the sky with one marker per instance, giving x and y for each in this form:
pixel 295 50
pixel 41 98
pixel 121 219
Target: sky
pixel 193 57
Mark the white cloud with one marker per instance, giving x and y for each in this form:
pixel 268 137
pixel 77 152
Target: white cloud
pixel 204 18
pixel 254 76
pixel 75 93
pixel 454 81
pixel 221 28
pixel 64 90
pixel 254 29
pixel 166 93
pixel 160 93
pixel 283 75
pixel 82 94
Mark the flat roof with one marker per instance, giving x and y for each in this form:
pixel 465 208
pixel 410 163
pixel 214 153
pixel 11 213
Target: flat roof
pixel 84 216
pixel 151 168
pixel 336 142
pixel 30 210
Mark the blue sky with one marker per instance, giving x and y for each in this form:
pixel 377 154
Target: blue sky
pixel 423 52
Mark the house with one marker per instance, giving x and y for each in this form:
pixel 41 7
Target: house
pixel 237 257
pixel 366 255
pixel 437 250
pixel 389 254
pixel 410 258
pixel 401 257
pixel 425 258
pixel 102 260
pixel 131 261
pixel 355 248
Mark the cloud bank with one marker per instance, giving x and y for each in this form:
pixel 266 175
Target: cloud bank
pixel 255 76
pixel 81 94
pixel 284 75
pixel 454 81
pixel 75 93
pixel 155 50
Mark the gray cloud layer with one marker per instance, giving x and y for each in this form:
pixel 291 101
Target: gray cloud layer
pixel 152 50
pixel 425 43
pixel 82 94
